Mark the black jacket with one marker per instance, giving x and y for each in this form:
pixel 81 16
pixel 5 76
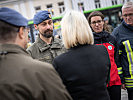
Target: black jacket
pixel 84 70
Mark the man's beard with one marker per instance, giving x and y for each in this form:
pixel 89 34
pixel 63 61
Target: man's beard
pixel 47 34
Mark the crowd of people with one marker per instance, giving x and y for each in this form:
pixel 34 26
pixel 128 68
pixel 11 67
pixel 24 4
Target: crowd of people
pixel 91 62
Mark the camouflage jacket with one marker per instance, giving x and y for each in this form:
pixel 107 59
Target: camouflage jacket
pixel 46 52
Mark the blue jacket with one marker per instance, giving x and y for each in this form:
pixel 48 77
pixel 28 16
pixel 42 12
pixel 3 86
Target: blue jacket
pixel 124 37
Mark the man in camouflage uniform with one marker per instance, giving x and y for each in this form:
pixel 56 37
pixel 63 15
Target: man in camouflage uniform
pixel 46 47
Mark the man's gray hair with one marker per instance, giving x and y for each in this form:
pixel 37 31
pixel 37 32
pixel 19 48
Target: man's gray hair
pixel 128 5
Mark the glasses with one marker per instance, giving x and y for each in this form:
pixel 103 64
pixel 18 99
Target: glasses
pixel 130 15
pixel 98 22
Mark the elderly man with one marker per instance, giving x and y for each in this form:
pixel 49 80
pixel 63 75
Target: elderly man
pixel 124 36
pixel 22 77
pixel 46 47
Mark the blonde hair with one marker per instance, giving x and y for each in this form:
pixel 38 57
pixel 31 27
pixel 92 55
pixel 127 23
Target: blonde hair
pixel 128 5
pixel 75 29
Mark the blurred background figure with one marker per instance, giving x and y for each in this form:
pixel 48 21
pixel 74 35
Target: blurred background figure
pixel 84 69
pixel 55 33
pixel 109 28
pixel 29 41
pixel 102 37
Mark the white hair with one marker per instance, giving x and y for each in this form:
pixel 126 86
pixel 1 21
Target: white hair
pixel 75 29
pixel 128 5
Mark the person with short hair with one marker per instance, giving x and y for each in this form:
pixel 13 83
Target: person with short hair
pixel 84 68
pixel 22 77
pixel 124 36
pixel 46 47
pixel 102 37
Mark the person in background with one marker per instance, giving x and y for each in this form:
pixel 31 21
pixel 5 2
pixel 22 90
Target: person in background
pixel 124 36
pixel 101 37
pixel 46 47
pixel 29 42
pixel 84 68
pixel 108 28
pixel 55 34
pixel 22 77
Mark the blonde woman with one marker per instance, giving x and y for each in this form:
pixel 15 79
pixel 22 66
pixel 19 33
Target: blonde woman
pixel 84 68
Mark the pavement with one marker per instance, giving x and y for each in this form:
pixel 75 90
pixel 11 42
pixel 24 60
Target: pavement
pixel 124 95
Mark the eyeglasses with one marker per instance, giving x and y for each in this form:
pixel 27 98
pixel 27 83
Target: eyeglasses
pixel 98 21
pixel 131 14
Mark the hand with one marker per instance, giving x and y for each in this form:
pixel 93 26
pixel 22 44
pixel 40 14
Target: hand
pixel 123 86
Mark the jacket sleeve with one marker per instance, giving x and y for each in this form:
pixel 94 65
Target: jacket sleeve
pixel 54 87
pixel 32 51
pixel 117 55
pixel 40 84
pixel 9 92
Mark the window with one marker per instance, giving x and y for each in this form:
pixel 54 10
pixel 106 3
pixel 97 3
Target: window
pixel 114 2
pixel 38 8
pixel 97 4
pixel 61 7
pixel 81 6
pixel 123 1
pixel 50 9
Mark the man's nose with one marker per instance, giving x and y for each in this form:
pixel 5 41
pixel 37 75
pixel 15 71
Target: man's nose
pixel 97 24
pixel 128 17
pixel 48 26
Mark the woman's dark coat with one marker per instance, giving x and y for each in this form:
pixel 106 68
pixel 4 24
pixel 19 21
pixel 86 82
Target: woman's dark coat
pixel 84 70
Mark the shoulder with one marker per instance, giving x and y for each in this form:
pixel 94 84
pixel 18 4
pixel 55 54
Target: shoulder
pixel 57 41
pixel 34 67
pixel 57 44
pixel 61 57
pixel 99 47
pixel 117 30
pixel 32 49
pixel 111 38
pixel 33 63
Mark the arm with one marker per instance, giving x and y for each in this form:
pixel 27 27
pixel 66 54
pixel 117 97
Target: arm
pixel 54 86
pixel 117 55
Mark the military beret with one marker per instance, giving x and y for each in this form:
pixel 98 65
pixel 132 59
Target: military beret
pixel 12 17
pixel 41 16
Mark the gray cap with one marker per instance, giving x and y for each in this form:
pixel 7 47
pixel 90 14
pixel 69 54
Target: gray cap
pixel 12 17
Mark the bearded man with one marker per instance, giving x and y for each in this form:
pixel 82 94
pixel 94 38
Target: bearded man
pixel 46 47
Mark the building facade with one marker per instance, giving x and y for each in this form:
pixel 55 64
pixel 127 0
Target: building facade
pixel 57 7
